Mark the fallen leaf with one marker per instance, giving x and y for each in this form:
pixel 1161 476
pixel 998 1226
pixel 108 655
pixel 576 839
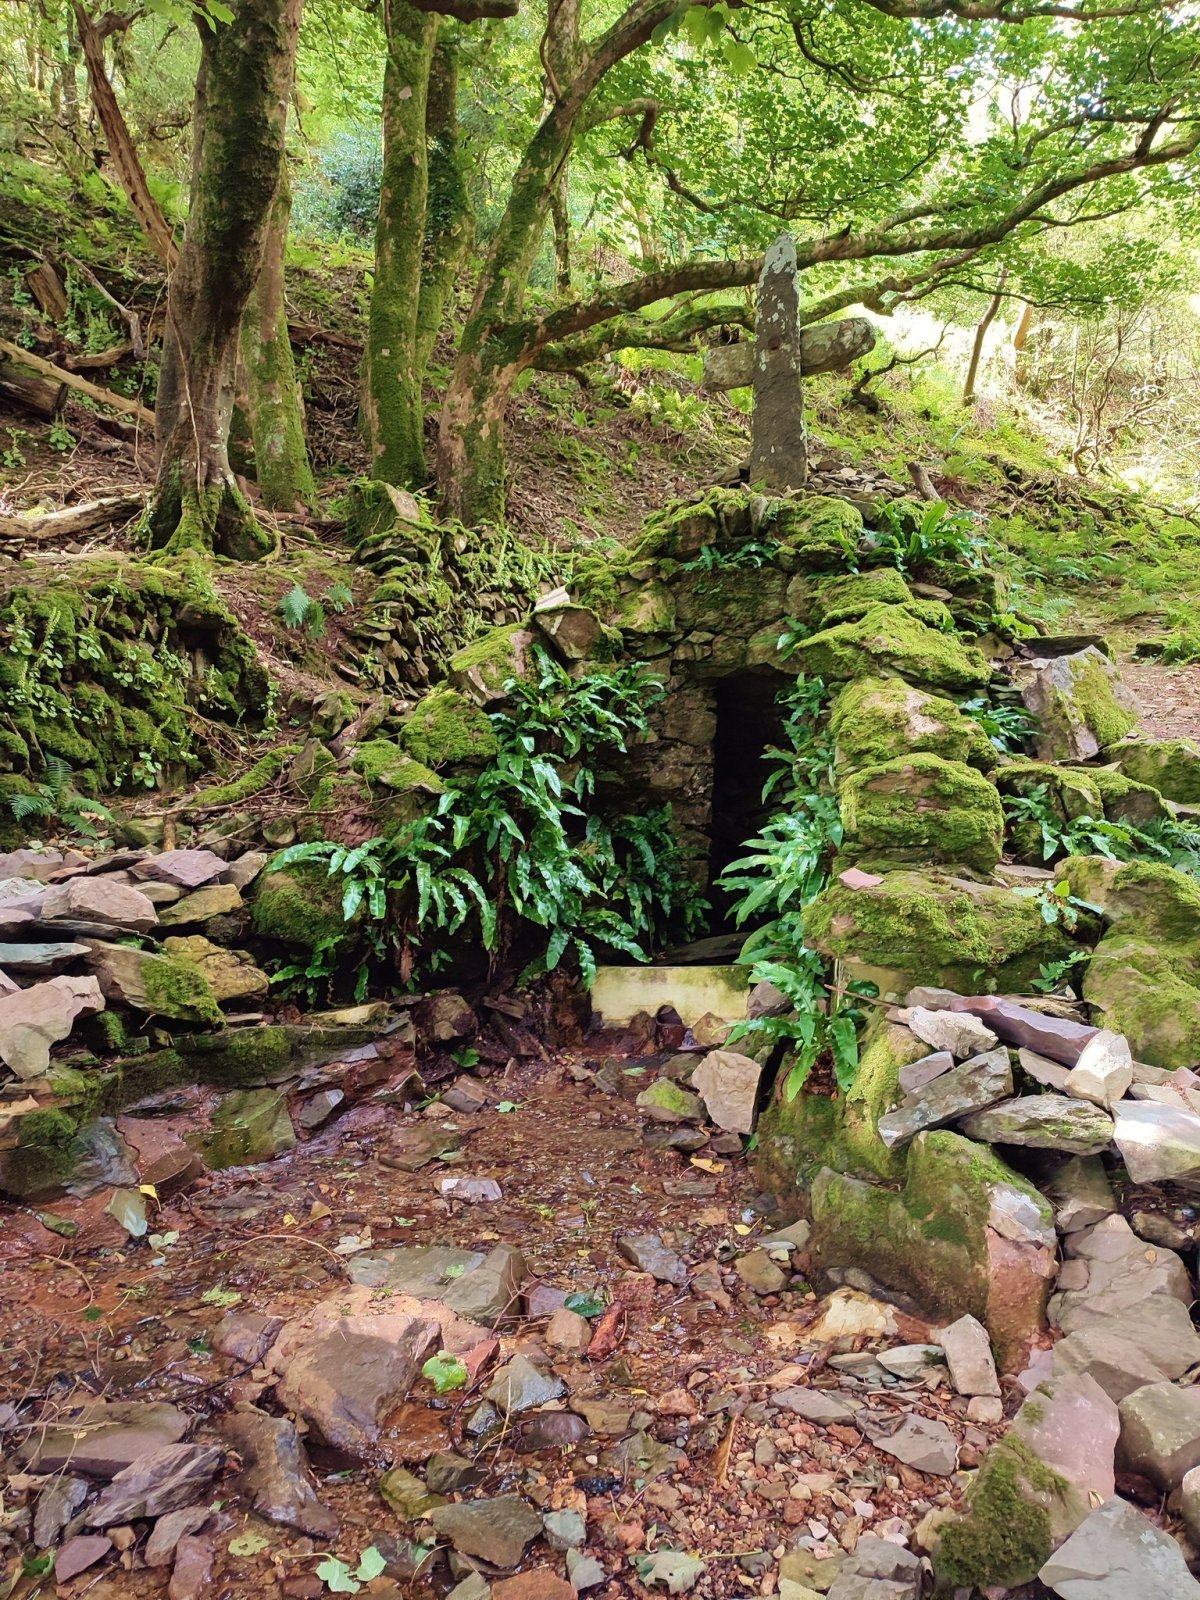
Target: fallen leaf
pixel 248 1544
pixel 129 1208
pixel 445 1372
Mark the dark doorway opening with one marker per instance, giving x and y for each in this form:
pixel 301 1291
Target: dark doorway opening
pixel 748 722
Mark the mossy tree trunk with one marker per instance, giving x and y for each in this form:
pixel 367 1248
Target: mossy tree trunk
pixel 423 233
pixel 281 461
pixel 242 93
pixel 392 408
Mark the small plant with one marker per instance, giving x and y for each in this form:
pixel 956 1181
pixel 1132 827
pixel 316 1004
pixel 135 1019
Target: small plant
pixel 53 797
pixel 339 598
pixel 1057 904
pixel 1010 728
pixel 939 534
pixel 1054 975
pixel 753 554
pixel 59 436
pixel 299 610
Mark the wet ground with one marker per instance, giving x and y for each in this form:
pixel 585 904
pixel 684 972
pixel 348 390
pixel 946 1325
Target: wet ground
pixel 690 1363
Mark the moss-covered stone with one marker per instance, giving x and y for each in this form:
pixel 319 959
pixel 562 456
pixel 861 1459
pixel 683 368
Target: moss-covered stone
pixel 248 1126
pixel 382 761
pixel 251 782
pixel 482 670
pixel 1144 897
pixel 798 1137
pixel 1005 1537
pixel 933 1238
pixel 647 609
pixel 821 532
pixel 879 719
pixel 922 809
pixel 850 594
pixel 298 906
pixel 731 600
pixel 977 594
pixel 724 517
pixel 1079 702
pixel 1072 792
pixel 44 1156
pixel 1150 992
pixel 446 730
pixel 98 670
pixel 1172 766
pixel 918 927
pixel 889 641
pixel 1125 800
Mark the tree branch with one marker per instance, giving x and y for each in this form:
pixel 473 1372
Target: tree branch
pixel 678 331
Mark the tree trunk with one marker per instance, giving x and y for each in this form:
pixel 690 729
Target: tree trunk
pixel 121 149
pixel 392 408
pixel 560 212
pixel 470 462
pixel 242 93
pixel 985 323
pixel 281 462
pixel 449 225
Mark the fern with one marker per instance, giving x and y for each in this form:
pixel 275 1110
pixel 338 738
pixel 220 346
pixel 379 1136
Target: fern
pixel 339 598
pixel 295 606
pixel 314 620
pixel 30 805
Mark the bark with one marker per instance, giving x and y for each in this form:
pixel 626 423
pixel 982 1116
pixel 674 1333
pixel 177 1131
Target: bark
pixel 121 149
pixel 560 212
pixel 985 322
pixel 242 93
pixel 392 406
pixel 276 410
pixel 449 225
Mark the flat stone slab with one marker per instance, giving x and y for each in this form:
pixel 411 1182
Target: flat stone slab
pixel 1057 1037
pixel 45 959
pixel 1044 1122
pixel 1118 1554
pixel 1157 1143
pixel 960 1032
pixel 188 869
pixel 973 1086
pixel 102 1439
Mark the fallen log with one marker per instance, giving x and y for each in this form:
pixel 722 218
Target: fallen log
pixel 31 393
pixel 72 521
pixel 104 397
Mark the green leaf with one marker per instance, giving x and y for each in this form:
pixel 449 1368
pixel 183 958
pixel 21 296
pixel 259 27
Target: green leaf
pixel 445 1372
pixel 220 1297
pixel 370 1564
pixel 585 1303
pixel 294 607
pixel 337 1577
pixel 63 1226
pixel 505 1106
pixel 248 1544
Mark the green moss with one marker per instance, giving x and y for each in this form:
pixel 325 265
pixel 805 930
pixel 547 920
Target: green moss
pixel 722 517
pixel 889 641
pixel 917 927
pixel 1100 709
pixel 1005 1538
pixel 852 594
pixel 1172 766
pixel 731 600
pixel 1144 898
pixel 253 781
pixel 923 809
pixel 446 730
pixel 44 1156
pixel 481 670
pixel 382 761
pixel 878 719
pixel 821 532
pixel 1125 800
pixel 13 834
pixel 798 1137
pixel 1072 791
pixel 931 1237
pixel 1148 991
pixel 298 906
pixel 175 989
pixel 248 1126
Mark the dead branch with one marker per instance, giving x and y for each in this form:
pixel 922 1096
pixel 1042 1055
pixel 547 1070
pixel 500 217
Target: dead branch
pixel 128 316
pixel 104 397
pixel 72 521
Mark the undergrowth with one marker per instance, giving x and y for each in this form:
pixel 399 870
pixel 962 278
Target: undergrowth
pixel 526 855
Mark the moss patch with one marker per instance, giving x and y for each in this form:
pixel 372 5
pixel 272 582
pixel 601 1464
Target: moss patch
pixel 253 781
pixel 446 730
pixel 923 809
pixel 889 641
pixel 1005 1538
pixel 917 927
pixel 1172 766
pixel 298 906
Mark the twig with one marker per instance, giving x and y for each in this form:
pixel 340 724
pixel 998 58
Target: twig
pixel 130 317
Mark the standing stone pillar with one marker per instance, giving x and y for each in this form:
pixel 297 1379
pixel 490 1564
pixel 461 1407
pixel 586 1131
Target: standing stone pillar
pixel 778 443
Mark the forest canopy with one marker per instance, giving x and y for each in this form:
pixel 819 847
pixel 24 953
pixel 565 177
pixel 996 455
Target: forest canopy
pixel 544 185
